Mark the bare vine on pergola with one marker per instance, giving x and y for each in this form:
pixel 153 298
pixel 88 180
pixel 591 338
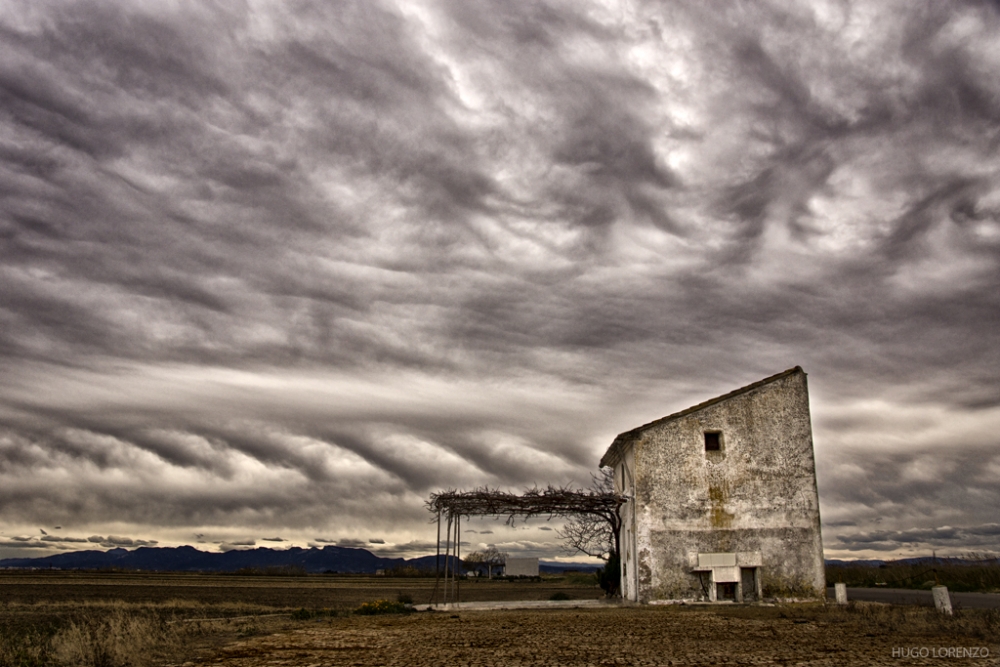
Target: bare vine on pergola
pixel 451 506
pixel 550 501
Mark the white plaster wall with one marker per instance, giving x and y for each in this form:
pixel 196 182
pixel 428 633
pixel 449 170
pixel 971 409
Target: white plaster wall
pixel 761 496
pixel 521 567
pixel 625 485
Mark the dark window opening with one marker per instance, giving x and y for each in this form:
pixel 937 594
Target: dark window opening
pixel 713 442
pixel 725 591
pixel 748 582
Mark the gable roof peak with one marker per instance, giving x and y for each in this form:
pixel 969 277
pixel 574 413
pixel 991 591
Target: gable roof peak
pixel 614 451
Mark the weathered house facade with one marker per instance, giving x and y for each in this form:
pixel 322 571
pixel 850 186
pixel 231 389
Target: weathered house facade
pixel 722 498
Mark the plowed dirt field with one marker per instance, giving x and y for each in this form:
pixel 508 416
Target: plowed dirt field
pixel 608 636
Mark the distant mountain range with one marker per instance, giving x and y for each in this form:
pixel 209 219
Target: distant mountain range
pixel 919 560
pixel 188 559
pixel 346 560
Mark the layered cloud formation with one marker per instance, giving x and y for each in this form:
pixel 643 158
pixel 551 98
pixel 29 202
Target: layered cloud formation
pixel 288 267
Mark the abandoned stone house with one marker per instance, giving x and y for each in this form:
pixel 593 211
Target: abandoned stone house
pixel 722 502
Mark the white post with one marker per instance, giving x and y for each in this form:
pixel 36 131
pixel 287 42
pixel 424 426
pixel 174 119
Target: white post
pixel 840 591
pixel 942 601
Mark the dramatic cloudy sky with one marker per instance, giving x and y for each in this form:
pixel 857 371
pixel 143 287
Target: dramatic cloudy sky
pixel 272 272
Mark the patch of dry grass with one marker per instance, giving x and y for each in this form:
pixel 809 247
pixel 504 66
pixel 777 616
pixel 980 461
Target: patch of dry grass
pixel 919 620
pixel 118 638
pixel 118 634
pixel 101 636
pixel 880 618
pixel 25 649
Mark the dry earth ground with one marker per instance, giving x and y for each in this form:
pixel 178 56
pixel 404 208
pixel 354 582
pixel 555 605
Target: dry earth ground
pixel 247 621
pixel 611 636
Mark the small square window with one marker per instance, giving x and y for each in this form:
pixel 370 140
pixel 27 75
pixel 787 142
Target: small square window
pixel 713 442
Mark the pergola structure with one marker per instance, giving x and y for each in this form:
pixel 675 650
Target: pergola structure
pixel 451 506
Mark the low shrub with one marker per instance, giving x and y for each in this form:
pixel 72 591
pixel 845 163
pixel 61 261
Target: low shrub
pixel 304 614
pixel 382 607
pixel 250 628
pixel 559 595
pixel 580 578
pixel 609 576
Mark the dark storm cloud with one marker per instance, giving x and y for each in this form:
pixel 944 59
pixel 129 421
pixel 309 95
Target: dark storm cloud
pixel 372 67
pixel 31 547
pixel 261 266
pixel 934 493
pixel 186 215
pixel 122 541
pixel 962 540
pixel 63 538
pixel 352 543
pixel 66 542
pixel 406 549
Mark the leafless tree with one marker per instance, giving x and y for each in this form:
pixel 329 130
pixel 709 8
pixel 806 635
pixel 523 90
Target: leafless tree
pixel 595 534
pixel 493 557
pixel 474 562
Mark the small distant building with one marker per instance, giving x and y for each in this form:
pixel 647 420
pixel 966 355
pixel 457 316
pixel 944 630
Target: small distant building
pixel 521 567
pixel 722 502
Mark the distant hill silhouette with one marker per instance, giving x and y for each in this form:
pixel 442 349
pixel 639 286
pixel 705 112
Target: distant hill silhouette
pixel 188 559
